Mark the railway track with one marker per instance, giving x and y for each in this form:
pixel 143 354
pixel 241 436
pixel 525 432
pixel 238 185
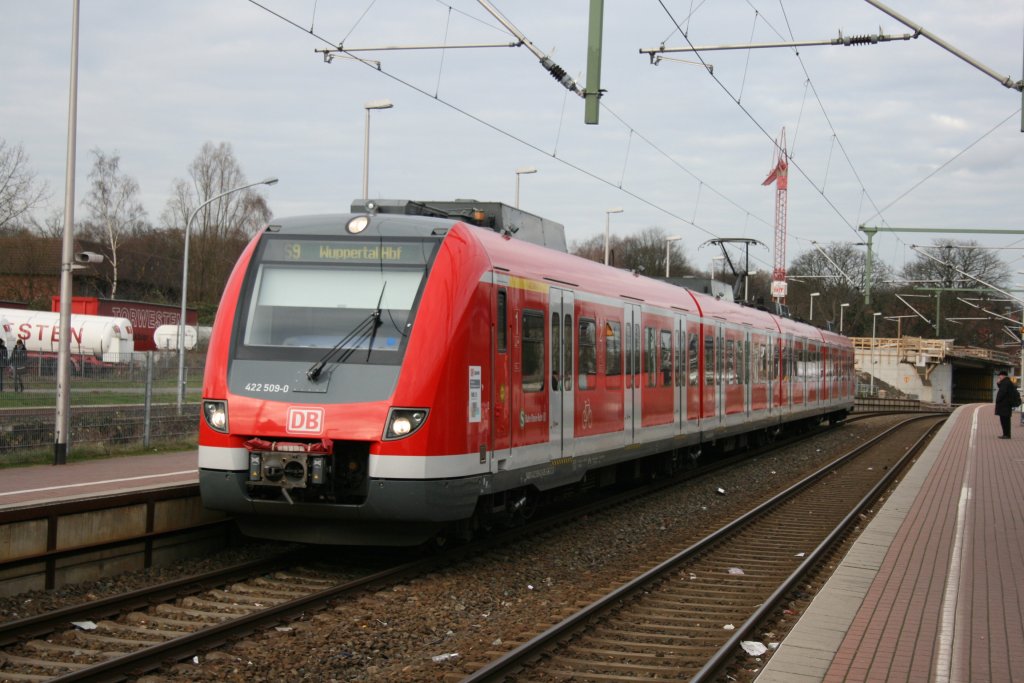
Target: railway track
pixel 690 615
pixel 128 634
pixel 141 631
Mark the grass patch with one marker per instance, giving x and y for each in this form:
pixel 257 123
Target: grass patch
pixel 93 397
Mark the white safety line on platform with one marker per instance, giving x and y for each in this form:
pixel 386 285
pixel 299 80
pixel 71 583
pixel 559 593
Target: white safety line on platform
pixel 96 483
pixel 947 660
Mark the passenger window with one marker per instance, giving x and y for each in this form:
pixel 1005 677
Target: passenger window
pixel 650 354
pixel 636 350
pixel 567 354
pixel 502 323
pixel 556 352
pixel 745 366
pixel 730 361
pixel 533 351
pixel 612 348
pixel 680 359
pixel 693 360
pixel 666 358
pixel 709 360
pixel 587 345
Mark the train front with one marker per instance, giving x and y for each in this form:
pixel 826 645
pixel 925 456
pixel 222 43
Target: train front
pixel 326 356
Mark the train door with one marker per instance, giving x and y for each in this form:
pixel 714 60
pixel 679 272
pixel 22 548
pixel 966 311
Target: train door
pixel 711 399
pixel 633 377
pixel 501 381
pixel 560 420
pixel 745 372
pixel 813 372
pixel 781 364
pixel 692 375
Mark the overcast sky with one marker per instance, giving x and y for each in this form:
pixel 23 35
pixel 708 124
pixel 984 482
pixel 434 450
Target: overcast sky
pixel 677 147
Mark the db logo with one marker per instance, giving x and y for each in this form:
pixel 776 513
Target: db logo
pixel 305 421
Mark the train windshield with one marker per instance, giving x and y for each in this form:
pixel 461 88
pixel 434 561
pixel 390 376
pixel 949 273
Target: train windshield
pixel 306 296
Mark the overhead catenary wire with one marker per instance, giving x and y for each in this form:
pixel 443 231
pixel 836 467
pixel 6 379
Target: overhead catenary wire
pixel 376 66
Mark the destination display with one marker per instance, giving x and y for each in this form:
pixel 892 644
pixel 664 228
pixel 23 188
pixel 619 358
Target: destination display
pixel 346 251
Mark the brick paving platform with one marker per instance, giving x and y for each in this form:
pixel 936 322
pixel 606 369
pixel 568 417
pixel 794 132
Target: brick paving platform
pixel 933 589
pixel 24 486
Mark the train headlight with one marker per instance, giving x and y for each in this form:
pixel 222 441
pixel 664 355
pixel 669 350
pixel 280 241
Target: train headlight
pixel 216 414
pixel 357 224
pixel 404 421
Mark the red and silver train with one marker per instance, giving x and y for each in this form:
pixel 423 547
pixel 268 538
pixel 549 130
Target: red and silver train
pixel 381 377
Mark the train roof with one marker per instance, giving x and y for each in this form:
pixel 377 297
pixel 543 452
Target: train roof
pixel 507 250
pixel 501 218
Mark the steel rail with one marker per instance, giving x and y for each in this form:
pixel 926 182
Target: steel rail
pixel 509 663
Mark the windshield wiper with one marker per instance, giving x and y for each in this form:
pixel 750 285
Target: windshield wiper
pixel 376 322
pixel 367 328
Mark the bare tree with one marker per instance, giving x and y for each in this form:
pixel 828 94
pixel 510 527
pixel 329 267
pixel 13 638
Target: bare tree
pixel 20 192
pixel 837 272
pixel 221 228
pixel 644 252
pixel 967 316
pixel 115 211
pixel 957 265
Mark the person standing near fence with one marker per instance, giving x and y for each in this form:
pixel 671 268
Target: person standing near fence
pixel 18 360
pixel 3 362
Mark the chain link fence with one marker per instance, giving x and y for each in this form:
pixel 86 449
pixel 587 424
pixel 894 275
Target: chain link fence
pixel 133 402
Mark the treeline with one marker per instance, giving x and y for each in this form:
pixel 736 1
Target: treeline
pixel 950 290
pixel 142 256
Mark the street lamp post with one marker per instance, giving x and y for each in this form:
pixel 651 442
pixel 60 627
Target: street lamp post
pixel 184 283
pixel 522 171
pixel 813 295
pixel 373 104
pixel 668 251
pixel 607 229
pixel 842 308
pixel 874 322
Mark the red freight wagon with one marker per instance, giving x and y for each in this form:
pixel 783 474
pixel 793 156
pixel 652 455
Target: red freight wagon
pixel 144 317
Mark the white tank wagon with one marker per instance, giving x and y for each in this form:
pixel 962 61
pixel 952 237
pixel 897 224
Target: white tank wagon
pixel 166 337
pixel 104 338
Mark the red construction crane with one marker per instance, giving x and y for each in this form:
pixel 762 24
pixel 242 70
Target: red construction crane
pixel 780 176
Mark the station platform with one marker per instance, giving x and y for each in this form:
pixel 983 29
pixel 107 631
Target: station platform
pixel 933 589
pixel 27 486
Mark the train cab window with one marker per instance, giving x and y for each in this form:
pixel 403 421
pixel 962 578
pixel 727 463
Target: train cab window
pixel 612 348
pixel 502 322
pixel 586 364
pixel 665 349
pixel 305 295
pixel 533 351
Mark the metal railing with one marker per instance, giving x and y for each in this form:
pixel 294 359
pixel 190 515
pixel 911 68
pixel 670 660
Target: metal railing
pixel 133 401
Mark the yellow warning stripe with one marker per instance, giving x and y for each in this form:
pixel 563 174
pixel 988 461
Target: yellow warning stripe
pixel 517 282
